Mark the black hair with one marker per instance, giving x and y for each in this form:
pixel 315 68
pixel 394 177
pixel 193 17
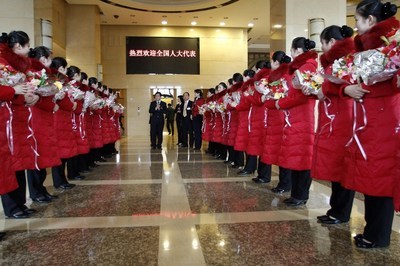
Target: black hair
pixel 58 62
pixel 336 32
pixel 186 93
pixel 281 57
pixel 303 43
pixel 105 87
pixel 376 9
pixel 223 84
pixel 91 81
pixel 84 76
pixel 230 81
pixel 99 84
pixel 180 98
pixel 237 77
pixel 249 73
pixel 72 70
pixel 169 104
pixel 110 90
pixel 211 90
pixel 263 64
pixel 39 51
pixel 199 91
pixel 14 37
pixel 157 93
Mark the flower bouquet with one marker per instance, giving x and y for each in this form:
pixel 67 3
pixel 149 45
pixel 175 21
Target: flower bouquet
pixel 220 107
pixel 202 109
pixel 73 91
pixel 211 106
pixel 110 100
pixel 99 103
pixel 42 84
pixel 88 99
pixel 279 89
pixel 312 81
pixel 262 86
pixel 236 97
pixel 10 77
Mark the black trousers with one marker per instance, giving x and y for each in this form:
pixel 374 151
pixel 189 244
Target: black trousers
pixel 285 178
pixel 58 174
pixel 197 125
pixel 72 167
pixel 239 158
pixel 187 125
pixel 222 150
pixel 231 154
pixel 15 200
pixel 341 202
pixel 264 171
pixel 211 148
pixel 301 182
pixel 156 131
pixel 170 126
pixel 36 180
pixel 179 129
pixel 379 212
pixel 251 163
pixel 83 162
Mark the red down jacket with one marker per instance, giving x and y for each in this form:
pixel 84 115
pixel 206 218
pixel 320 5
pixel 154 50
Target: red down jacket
pixel 8 182
pixel 257 116
pixel 334 121
pixel 242 134
pixel 275 123
pixel 233 118
pixel 298 132
pixel 208 121
pixel 376 174
pixel 43 125
pixel 218 128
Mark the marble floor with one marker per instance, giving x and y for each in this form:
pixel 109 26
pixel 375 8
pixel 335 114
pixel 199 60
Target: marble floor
pixel 182 207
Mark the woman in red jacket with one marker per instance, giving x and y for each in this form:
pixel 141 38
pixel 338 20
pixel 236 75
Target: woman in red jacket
pixel 14 48
pixel 334 127
pixel 218 128
pixel 298 132
pixel 43 126
pixel 256 122
pixel 372 157
pixel 242 108
pixel 232 120
pixel 275 123
pixel 67 146
pixel 208 121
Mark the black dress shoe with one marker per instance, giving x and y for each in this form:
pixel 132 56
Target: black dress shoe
pixel 30 211
pixel 279 190
pixel 226 161
pixel 361 242
pixel 295 202
pixel 42 199
pixel 85 171
pixel 2 235
pixel 261 180
pixel 235 166
pixel 79 177
pixel 102 160
pixel 331 220
pixel 322 217
pixel 50 197
pixel 244 172
pixel 66 186
pixel 19 215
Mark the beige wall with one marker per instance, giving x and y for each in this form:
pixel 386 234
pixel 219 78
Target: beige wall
pixel 221 54
pixel 17 15
pixel 334 13
pixel 83 38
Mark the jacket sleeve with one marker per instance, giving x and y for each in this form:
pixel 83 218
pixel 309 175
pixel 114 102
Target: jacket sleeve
pixel 152 108
pixel 65 104
pixel 18 100
pixel 46 104
pixel 79 107
pixel 6 93
pixel 270 104
pixel 244 104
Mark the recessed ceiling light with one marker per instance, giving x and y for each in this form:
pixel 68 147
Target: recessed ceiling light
pixel 222 24
pixel 250 25
pixel 306 30
pixel 194 23
pixel 164 22
pixel 277 26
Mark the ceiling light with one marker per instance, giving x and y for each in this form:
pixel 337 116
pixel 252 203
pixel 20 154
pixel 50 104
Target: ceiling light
pixel 222 24
pixel 164 22
pixel 277 26
pixel 250 25
pixel 194 23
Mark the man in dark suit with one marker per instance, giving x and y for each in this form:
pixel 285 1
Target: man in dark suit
pixel 157 110
pixel 187 123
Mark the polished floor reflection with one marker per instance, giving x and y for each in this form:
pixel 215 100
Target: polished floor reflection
pixel 181 207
